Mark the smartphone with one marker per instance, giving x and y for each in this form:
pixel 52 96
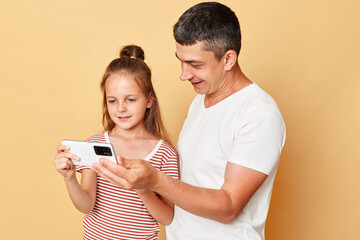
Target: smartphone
pixel 90 152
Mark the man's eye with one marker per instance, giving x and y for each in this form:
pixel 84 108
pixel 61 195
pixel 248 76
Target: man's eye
pixel 196 66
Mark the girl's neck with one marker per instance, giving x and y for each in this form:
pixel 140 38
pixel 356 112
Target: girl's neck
pixel 132 144
pixel 139 133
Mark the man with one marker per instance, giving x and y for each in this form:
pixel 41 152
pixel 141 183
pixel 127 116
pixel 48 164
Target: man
pixel 229 145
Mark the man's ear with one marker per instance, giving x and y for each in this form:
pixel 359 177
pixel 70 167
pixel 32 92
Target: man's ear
pixel 230 59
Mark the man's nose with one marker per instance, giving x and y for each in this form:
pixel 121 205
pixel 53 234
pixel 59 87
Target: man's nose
pixel 185 74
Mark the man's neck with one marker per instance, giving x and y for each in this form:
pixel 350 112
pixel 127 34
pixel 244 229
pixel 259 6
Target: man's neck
pixel 234 82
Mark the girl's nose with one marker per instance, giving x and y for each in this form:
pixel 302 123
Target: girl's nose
pixel 121 107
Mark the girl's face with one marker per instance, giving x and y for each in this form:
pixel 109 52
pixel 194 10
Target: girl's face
pixel 126 102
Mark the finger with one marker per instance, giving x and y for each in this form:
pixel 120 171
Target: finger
pixel 127 163
pixel 112 167
pixel 70 165
pixel 118 159
pixel 64 165
pixel 61 161
pixel 62 148
pixel 122 161
pixel 112 172
pixel 103 172
pixel 68 155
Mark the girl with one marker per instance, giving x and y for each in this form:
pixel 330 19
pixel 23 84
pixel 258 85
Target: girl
pixel 132 123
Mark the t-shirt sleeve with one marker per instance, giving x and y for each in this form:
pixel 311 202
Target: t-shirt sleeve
pixel 170 164
pixel 80 168
pixel 259 140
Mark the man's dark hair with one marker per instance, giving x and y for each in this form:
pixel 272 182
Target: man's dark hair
pixel 212 23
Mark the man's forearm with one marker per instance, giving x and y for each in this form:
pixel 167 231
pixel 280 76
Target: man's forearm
pixel 215 204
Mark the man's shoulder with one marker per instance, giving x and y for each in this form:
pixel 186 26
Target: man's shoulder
pixel 252 97
pixel 251 104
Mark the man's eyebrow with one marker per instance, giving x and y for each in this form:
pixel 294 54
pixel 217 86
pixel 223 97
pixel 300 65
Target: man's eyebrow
pixel 187 61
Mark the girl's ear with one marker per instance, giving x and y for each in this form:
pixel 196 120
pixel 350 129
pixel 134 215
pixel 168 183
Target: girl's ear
pixel 149 102
pixel 230 59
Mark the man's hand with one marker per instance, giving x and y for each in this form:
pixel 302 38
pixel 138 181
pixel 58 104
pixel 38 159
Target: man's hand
pixel 129 173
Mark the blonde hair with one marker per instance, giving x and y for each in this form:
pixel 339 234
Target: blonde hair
pixel 131 63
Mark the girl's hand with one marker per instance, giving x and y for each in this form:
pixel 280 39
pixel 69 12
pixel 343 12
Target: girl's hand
pixel 63 163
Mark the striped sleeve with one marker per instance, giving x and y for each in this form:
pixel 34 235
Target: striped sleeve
pixel 169 163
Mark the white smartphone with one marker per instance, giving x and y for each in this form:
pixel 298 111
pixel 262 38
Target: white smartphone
pixel 90 152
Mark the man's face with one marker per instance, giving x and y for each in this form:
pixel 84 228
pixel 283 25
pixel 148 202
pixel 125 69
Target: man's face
pixel 201 68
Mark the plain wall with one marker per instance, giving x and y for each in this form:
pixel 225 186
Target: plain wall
pixel 306 54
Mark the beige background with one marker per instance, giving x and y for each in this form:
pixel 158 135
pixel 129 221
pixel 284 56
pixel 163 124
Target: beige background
pixel 306 54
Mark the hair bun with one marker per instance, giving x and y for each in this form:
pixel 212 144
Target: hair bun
pixel 132 51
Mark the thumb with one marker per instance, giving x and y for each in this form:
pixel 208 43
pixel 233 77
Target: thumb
pixel 126 163
pixel 121 161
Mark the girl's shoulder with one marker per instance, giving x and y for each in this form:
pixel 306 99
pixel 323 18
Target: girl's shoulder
pixel 97 138
pixel 167 147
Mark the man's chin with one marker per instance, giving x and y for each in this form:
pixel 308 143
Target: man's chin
pixel 199 90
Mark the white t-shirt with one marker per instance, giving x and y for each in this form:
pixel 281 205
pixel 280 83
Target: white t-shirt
pixel 247 129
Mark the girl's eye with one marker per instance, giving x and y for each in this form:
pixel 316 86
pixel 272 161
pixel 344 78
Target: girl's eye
pixel 131 100
pixel 111 101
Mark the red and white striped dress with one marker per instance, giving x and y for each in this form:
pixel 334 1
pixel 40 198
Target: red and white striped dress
pixel 120 213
